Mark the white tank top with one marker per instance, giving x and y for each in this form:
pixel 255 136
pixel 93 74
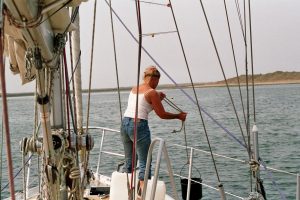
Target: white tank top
pixel 144 107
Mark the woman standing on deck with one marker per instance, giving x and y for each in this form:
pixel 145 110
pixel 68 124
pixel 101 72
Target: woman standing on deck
pixel 148 99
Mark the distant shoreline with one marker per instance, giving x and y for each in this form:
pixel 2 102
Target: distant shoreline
pixel 170 86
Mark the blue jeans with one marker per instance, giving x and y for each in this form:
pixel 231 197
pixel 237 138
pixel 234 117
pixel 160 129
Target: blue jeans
pixel 143 143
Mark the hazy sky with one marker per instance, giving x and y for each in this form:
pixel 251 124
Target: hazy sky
pixel 275 30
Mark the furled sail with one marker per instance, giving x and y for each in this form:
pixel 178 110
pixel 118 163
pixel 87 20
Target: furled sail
pixel 34 23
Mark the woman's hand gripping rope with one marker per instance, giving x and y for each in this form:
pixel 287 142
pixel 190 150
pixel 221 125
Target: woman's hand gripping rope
pixel 181 116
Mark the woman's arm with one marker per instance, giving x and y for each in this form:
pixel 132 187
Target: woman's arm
pixel 154 98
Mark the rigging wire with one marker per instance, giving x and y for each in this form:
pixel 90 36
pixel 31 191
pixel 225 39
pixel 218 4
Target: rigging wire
pixel 153 3
pixel 64 5
pixel 115 57
pixel 18 172
pixel 237 75
pixel 240 18
pixel 247 91
pixel 74 15
pixel 194 91
pixel 252 68
pixel 73 71
pixel 158 33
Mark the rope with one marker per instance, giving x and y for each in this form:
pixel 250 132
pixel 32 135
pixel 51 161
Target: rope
pixel 194 91
pixel 68 99
pixel 176 84
pixel 2 122
pixel 6 123
pixel 116 63
pixel 139 21
pixel 73 84
pixel 67 95
pixel 1 155
pixel 91 66
pixel 35 133
pixel 173 105
pixel 34 22
pixel 237 74
pixel 90 85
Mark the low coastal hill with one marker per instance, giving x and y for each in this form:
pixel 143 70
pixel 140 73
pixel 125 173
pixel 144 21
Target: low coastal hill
pixel 278 77
pixel 275 77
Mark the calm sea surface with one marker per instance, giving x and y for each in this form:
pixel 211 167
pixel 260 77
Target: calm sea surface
pixel 277 119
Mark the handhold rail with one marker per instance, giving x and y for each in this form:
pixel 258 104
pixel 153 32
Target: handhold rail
pixel 161 149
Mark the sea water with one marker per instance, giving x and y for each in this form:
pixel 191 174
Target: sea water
pixel 277 115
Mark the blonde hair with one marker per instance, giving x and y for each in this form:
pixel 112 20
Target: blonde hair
pixel 151 71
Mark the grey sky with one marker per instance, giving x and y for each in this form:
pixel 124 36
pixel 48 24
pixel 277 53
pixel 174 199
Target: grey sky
pixel 276 37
